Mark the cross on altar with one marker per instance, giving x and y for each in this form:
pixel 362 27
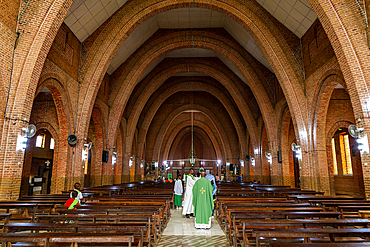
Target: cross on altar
pixel 47 163
pixel 202 190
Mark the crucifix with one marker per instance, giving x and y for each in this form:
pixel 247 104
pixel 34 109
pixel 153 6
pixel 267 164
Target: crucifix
pixel 202 190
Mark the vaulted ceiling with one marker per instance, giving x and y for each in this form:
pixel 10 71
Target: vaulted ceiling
pixel 86 16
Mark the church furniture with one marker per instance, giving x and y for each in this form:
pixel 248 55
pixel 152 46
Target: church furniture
pixel 330 233
pixel 75 238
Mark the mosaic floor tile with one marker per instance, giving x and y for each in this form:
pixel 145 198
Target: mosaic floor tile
pixel 182 232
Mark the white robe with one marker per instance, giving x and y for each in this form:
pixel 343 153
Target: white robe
pixel 188 207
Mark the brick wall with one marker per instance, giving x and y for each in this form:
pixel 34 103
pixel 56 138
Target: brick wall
pixel 340 112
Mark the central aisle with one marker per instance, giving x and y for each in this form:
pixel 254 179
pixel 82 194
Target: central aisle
pixel 182 232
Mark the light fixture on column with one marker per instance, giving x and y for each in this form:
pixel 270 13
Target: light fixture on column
pixel 21 142
pixel 358 133
pixel 27 132
pixel 297 149
pixel 114 157
pixel 242 163
pixel 142 163
pixel 269 157
pixel 363 144
pixel 156 164
pixel 253 161
pixel 85 150
pixel 132 158
pixel 218 163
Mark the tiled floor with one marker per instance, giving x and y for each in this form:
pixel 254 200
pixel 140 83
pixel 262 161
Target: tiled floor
pixel 182 232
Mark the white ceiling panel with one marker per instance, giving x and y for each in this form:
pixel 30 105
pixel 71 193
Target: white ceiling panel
pixel 85 16
pixel 171 20
pixel 296 15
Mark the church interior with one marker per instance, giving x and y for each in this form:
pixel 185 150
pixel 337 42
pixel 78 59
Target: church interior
pixel 130 94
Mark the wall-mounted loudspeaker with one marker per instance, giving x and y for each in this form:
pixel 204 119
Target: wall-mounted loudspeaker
pixel 280 158
pixel 105 156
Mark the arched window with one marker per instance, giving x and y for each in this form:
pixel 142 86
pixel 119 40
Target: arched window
pixel 40 141
pixel 342 152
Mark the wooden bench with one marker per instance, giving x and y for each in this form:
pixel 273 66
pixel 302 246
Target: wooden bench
pixel 330 233
pixel 74 238
pixel 122 228
pixel 303 198
pixel 119 212
pixel 347 210
pixel 319 244
pixel 98 219
pixel 304 223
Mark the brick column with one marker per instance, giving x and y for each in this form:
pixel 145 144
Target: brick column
pixel 107 176
pixel 126 168
pixel 75 172
pixel 11 162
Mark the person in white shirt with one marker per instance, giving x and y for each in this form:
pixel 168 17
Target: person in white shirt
pixel 178 192
pixel 79 195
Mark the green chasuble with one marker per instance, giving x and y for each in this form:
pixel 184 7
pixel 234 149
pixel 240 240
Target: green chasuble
pixel 202 201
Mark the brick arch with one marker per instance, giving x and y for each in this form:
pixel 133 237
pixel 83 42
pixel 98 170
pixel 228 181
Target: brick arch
pixel 165 127
pixel 132 122
pixel 258 24
pixel 210 68
pixel 182 135
pixel 181 126
pixel 329 80
pixel 56 175
pixel 342 22
pixel 162 43
pixel 65 124
pixel 55 80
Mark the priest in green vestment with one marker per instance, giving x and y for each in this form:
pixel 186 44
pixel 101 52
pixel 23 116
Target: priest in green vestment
pixel 203 202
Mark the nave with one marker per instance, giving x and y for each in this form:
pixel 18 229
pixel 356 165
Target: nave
pixel 180 231
pixel 142 214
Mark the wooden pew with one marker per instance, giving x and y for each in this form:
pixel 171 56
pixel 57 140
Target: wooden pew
pixel 162 216
pixel 305 198
pixel 252 210
pixel 26 207
pixel 119 213
pixel 118 228
pixel 303 223
pixel 73 238
pixel 319 244
pixel 99 219
pixel 330 233
pixel 262 215
pixel 347 210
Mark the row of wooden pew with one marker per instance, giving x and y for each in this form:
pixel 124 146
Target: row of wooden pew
pixel 115 217
pixel 289 217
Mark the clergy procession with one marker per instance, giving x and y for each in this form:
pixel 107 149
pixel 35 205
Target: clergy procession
pixel 168 123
